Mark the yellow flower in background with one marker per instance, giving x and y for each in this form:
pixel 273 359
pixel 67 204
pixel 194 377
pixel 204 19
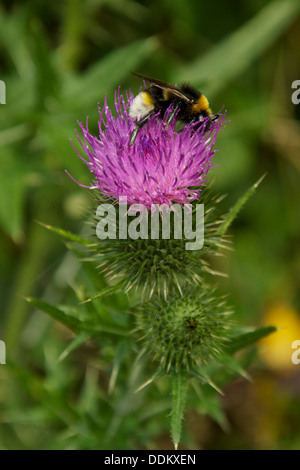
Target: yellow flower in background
pixel 276 349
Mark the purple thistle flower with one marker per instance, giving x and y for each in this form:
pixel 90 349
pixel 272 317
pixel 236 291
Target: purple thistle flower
pixel 162 166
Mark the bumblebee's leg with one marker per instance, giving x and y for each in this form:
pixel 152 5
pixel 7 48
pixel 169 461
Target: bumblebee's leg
pixel 138 126
pixel 172 115
pixel 133 135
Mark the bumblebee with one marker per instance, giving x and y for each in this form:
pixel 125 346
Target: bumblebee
pixel 189 104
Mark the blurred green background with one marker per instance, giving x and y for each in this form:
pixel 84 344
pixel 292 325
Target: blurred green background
pixel 58 60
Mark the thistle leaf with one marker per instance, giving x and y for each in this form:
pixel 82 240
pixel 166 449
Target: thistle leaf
pixel 213 377
pixel 209 403
pixel 106 291
pixel 74 323
pixel 247 339
pixel 229 218
pixel 234 365
pixel 56 313
pixel 68 235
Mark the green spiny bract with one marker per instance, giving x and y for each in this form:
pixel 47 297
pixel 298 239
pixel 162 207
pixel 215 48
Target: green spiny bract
pixel 157 266
pixel 184 332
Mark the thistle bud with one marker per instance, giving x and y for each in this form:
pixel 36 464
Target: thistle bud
pixel 186 331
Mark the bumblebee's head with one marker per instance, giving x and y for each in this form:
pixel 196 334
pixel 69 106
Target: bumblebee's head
pixel 212 118
pixel 207 122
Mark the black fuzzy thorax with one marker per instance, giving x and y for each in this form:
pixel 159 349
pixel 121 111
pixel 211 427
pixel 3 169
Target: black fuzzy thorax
pixel 185 113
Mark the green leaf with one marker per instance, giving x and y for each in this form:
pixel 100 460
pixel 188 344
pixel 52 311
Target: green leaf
pixel 209 403
pixel 56 313
pixel 229 218
pixel 234 365
pixel 179 392
pixel 247 339
pixel 106 291
pixel 64 233
pixel 216 375
pixel 74 323
pixel 238 51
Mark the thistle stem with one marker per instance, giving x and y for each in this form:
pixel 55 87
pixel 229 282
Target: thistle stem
pixel 179 391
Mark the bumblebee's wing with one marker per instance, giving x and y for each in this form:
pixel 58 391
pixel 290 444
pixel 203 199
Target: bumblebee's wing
pixel 165 86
